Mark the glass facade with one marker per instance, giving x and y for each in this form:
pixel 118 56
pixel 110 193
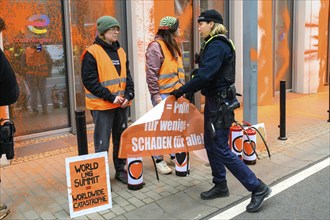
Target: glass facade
pixel 283 43
pixel 84 14
pixel 33 42
pixel 183 10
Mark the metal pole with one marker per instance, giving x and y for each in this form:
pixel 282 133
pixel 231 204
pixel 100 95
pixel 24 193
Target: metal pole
pixel 250 61
pixel 81 132
pixel 69 60
pixel 282 111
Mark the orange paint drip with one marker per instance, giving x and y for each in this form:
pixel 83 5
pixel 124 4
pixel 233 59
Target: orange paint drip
pixel 253 54
pixel 283 51
pixel 265 57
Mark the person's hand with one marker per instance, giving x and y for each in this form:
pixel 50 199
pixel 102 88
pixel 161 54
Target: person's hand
pixel 118 100
pixel 177 93
pixel 124 104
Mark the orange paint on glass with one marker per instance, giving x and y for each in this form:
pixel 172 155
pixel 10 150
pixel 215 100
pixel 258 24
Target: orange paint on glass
pixel 283 51
pixel 323 43
pixel 162 9
pixel 253 54
pixel 265 58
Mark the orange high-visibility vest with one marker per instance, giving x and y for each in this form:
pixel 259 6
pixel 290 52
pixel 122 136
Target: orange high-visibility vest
pixel 108 77
pixel 36 62
pixel 171 74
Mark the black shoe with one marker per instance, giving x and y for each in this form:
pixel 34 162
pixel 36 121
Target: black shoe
pixel 258 196
pixel 219 190
pixel 121 175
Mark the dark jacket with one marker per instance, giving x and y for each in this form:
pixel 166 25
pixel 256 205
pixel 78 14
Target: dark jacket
pixel 210 76
pixel 9 90
pixel 90 74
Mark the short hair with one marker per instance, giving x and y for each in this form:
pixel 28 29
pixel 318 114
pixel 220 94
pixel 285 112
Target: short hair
pixel 218 29
pixel 2 24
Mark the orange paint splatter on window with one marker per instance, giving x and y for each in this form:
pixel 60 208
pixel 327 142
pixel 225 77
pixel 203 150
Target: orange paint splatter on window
pixel 265 57
pixel 283 51
pixel 253 54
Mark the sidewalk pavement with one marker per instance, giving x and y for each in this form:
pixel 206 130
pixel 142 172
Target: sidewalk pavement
pixel 34 186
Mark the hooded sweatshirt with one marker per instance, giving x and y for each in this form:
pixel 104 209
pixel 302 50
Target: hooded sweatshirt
pixel 90 76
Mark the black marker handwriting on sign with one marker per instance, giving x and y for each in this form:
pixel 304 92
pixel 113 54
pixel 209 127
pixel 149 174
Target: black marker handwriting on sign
pixel 86 172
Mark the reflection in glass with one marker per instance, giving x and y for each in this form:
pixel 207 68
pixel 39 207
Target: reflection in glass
pixel 33 42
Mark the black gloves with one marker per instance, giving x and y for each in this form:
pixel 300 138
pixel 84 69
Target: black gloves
pixel 177 93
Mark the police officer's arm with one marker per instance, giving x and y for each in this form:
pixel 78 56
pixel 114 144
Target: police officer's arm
pixel 212 61
pixel 9 89
pixel 90 79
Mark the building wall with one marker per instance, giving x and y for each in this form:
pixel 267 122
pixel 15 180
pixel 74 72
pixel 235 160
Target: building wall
pixel 311 44
pixel 309 54
pixel 140 18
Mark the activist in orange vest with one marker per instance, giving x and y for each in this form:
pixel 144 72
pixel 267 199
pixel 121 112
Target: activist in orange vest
pixel 38 67
pixel 164 70
pixel 109 89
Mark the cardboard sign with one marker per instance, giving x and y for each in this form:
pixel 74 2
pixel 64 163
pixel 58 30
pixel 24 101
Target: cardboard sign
pixel 172 126
pixel 88 183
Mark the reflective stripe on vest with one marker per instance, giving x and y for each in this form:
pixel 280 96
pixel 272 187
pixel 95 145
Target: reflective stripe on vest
pixel 108 77
pixel 171 74
pixel 36 62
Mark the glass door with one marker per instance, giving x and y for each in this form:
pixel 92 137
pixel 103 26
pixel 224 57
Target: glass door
pixel 283 43
pixel 33 42
pixel 84 14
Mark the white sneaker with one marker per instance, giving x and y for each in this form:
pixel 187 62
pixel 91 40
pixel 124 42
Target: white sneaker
pixel 162 168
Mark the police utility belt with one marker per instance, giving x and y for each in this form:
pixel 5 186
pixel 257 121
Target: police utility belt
pixel 224 116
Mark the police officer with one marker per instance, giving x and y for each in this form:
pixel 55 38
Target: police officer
pixel 215 78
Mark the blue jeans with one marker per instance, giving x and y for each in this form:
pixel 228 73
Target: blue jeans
pixel 163 96
pixel 220 155
pixel 106 122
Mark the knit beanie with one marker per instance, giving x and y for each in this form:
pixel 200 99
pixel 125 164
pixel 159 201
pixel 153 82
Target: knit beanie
pixel 211 15
pixel 106 22
pixel 169 23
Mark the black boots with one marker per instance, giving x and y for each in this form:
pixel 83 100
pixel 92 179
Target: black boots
pixel 219 190
pixel 121 175
pixel 258 196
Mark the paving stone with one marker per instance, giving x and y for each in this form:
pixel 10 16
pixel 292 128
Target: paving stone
pixel 109 215
pixel 148 200
pixel 117 210
pixel 120 201
pixel 136 202
pixel 94 216
pixel 129 207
